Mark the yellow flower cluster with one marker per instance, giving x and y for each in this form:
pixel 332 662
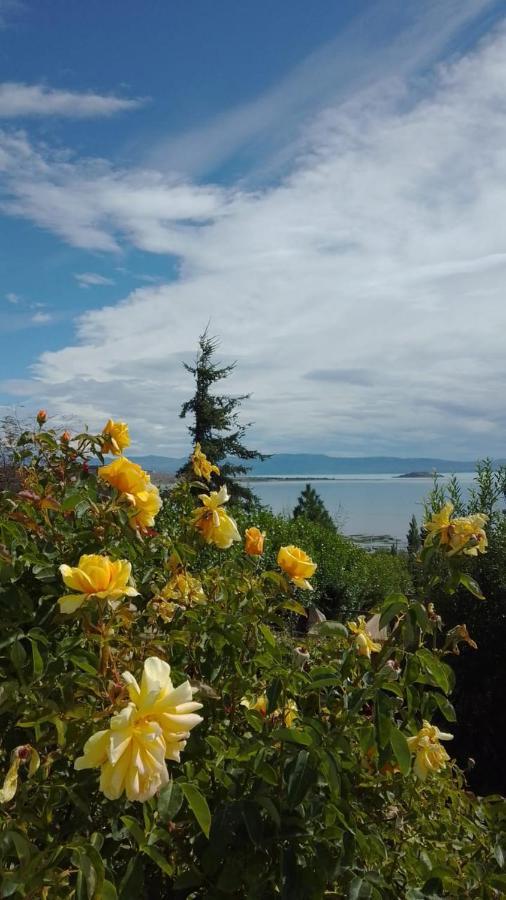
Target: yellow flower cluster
pixel 115 437
pixel 96 576
pixel 152 728
pixel 364 643
pixel 465 534
pixel 297 565
pixel 430 755
pixel 215 526
pixel 135 484
pixel 201 465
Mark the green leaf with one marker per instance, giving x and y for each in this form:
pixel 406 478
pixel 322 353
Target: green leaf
pixel 394 604
pixel 159 859
pixel 268 635
pixel 170 800
pixel 445 706
pixel 401 750
pixel 132 883
pixel 135 829
pixel 198 805
pixel 329 628
pixel 441 674
pixel 472 586
pixel 292 736
pixel 295 607
pixel 300 779
pixel 38 662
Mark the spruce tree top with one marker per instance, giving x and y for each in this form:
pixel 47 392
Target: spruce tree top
pixel 215 418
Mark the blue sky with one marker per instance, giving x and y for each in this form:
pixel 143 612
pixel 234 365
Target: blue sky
pixel 324 182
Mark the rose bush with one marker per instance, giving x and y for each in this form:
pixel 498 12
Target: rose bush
pixel 162 732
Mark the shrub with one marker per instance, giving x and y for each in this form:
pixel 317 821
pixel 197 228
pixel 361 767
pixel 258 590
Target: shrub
pixel 292 772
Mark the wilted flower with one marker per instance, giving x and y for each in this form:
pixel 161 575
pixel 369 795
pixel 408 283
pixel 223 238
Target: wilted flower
pixel 215 526
pixel 115 437
pixel 201 465
pixel 364 643
pixel 96 576
pixel 19 756
pixel 297 565
pixel 431 756
pixel 126 476
pixel 147 505
pixel 184 588
pixel 152 728
pixel 254 541
pixel 456 635
pixel 300 656
pixel 41 417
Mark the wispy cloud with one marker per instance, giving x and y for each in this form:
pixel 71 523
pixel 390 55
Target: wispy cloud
pixel 41 318
pixel 9 10
pixel 385 44
pixel 92 205
pixel 364 283
pixel 13 298
pixel 22 100
pixel 92 279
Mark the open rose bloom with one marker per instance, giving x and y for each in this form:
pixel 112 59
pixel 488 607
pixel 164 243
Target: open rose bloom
pixel 96 576
pixel 115 437
pixel 154 727
pixel 215 526
pixel 297 565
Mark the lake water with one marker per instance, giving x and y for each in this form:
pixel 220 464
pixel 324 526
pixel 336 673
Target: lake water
pixel 360 504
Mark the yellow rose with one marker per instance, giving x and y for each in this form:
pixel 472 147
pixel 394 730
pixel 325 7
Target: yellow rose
pixel 201 465
pixel 465 534
pixel 154 727
pixel 259 704
pixel 115 437
pixel 297 565
pixel 215 526
pixel 184 588
pixel 430 755
pixel 147 504
pixel 254 541
pixel 127 477
pixel 364 643
pixel 96 576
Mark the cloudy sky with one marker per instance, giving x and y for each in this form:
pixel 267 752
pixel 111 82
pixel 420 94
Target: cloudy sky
pixel 324 182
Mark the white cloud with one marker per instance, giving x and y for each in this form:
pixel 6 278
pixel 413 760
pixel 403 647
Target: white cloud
pixel 20 100
pixel 41 318
pixel 13 298
pixel 94 206
pixel 92 279
pixel 362 294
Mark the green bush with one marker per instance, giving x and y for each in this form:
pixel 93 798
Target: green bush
pixel 310 775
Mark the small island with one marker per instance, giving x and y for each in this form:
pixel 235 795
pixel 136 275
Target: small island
pixel 419 475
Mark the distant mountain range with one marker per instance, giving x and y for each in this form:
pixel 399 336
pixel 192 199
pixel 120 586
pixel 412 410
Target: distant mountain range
pixel 306 464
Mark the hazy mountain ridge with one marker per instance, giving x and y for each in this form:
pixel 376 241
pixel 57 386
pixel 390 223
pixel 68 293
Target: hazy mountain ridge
pixel 306 464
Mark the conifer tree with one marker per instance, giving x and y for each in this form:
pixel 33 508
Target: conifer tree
pixel 413 538
pixel 311 506
pixel 216 425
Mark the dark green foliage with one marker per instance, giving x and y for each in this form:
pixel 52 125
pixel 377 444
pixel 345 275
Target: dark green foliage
pixel 481 673
pixel 414 541
pixel 216 425
pixel 311 506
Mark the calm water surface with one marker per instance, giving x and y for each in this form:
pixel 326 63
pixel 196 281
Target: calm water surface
pixel 360 504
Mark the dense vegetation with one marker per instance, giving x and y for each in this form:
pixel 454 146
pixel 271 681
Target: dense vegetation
pixel 164 734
